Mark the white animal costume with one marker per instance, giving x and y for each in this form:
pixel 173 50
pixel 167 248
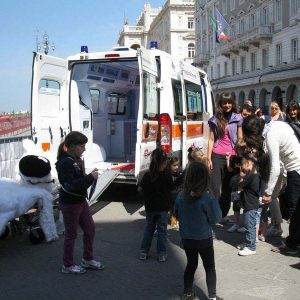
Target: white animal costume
pixel 17 197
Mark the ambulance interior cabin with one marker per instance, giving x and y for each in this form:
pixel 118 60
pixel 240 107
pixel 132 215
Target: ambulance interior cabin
pixel 111 90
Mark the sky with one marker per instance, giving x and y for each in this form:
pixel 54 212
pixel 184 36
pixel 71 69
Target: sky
pixel 69 24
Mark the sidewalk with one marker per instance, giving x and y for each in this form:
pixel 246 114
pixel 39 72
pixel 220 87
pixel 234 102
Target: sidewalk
pixel 33 272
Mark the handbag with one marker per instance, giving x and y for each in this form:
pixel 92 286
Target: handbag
pixel 283 203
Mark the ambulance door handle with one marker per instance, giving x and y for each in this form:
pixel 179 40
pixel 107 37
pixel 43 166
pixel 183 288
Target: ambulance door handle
pixel 51 135
pixel 147 130
pixel 61 133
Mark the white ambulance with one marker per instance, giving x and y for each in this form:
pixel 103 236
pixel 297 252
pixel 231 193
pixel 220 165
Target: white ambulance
pixel 127 102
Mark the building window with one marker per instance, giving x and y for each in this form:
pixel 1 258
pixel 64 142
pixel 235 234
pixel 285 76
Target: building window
pixel 232 4
pixel 251 20
pixel 219 70
pixel 295 5
pixel 242 25
pixel 190 23
pixel 278 54
pixel 211 72
pixel 294 46
pixel 253 62
pixel 233 30
pixel 224 7
pixel 191 50
pixel 243 64
pixel 265 58
pixel 278 10
pixel 233 67
pixel 225 68
pixel 265 15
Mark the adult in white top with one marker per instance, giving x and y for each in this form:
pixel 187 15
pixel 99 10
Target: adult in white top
pixel 282 145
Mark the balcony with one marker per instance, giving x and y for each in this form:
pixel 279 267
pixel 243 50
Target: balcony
pixel 202 59
pixel 132 29
pixel 253 36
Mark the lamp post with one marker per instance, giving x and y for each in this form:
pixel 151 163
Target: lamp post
pixel 45 44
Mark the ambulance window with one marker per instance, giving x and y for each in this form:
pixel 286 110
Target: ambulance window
pixel 49 98
pixel 150 95
pixel 177 97
pixel 194 99
pixel 95 95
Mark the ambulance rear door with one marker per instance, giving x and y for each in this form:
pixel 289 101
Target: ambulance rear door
pixel 50 122
pixel 147 121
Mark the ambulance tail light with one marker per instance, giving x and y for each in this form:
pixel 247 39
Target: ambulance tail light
pixel 166 132
pixel 112 55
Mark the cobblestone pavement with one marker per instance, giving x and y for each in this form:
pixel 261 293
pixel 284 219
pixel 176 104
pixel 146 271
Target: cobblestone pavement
pixel 33 271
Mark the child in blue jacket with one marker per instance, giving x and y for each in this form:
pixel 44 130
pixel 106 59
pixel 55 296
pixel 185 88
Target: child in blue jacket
pixel 197 210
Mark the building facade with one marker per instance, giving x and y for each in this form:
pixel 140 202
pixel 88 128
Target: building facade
pixel 262 61
pixel 172 26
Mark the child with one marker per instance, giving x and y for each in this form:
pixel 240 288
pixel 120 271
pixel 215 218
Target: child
pixel 196 154
pixel 177 178
pixel 250 187
pixel 233 166
pixel 197 210
pixel 156 186
pixel 72 202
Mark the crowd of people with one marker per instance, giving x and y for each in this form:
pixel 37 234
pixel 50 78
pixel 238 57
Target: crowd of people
pixel 250 158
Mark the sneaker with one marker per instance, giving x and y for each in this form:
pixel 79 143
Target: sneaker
pixel 241 230
pixel 241 246
pixel 216 298
pixel 188 296
pixel 233 228
pixel 246 251
pixel 143 256
pixel 256 240
pixel 162 258
pixel 155 233
pixel 272 231
pixel 261 238
pixel 77 270
pixel 284 249
pixel 92 264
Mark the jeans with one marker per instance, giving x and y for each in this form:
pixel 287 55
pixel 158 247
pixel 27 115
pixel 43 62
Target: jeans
pixel 159 221
pixel 220 182
pixel 293 196
pixel 74 214
pixel 208 260
pixel 250 217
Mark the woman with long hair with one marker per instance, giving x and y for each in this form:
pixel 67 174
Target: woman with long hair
pixel 225 129
pixel 293 116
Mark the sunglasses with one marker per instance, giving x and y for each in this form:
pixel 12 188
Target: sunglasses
pixel 274 108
